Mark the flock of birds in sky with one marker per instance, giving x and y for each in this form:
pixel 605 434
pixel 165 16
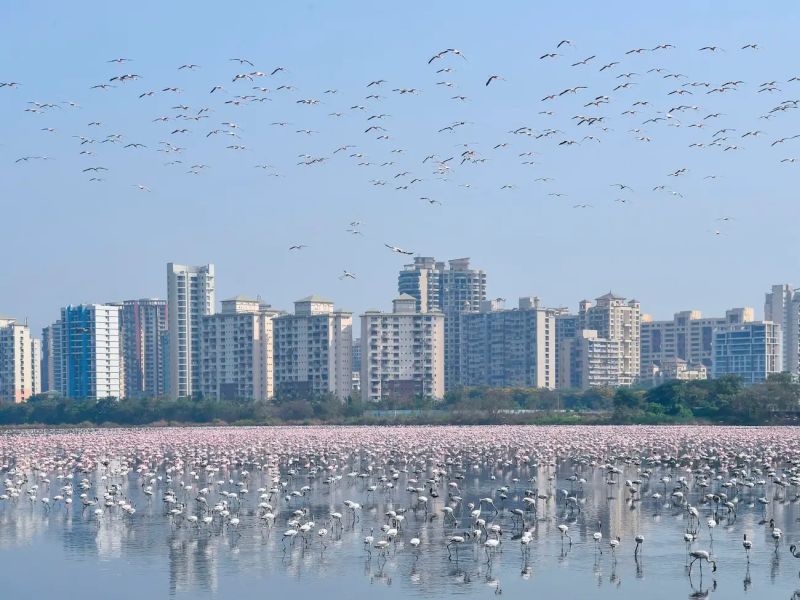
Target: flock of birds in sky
pixel 456 499
pixel 637 96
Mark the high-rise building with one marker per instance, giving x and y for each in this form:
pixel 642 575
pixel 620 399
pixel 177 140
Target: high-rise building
pixel 16 361
pixel 356 360
pixel 51 358
pixel 509 348
pixel 782 306
pixel 46 368
pixel 356 366
pixel 313 350
pixel 688 336
pixel 142 325
pixel 453 289
pixel 423 281
pixel 590 361
pixel 616 320
pixel 236 351
pixel 567 328
pixel 36 366
pixel 190 297
pixel 88 356
pixel 463 290
pixel 751 351
pixel 402 352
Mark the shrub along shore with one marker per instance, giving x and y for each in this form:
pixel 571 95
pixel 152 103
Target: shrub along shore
pixel 722 401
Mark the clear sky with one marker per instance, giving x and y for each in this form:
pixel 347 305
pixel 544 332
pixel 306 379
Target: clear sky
pixel 66 239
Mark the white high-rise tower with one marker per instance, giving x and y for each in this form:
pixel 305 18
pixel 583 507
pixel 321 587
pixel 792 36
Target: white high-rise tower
pixel 190 297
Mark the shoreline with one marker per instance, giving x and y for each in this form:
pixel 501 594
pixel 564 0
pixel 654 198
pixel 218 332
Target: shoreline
pixel 393 422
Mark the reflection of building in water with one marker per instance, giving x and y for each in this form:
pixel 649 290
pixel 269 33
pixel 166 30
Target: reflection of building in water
pixel 20 526
pixel 192 564
pixel 620 516
pixel 109 538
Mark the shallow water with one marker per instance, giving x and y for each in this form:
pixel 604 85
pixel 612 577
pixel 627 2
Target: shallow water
pixel 69 549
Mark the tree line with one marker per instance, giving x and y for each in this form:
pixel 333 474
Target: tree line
pixel 723 400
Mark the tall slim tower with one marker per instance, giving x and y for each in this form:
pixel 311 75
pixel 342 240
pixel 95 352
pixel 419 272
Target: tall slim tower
pixel 51 358
pixel 36 366
pixel 781 306
pixel 453 289
pixel 190 297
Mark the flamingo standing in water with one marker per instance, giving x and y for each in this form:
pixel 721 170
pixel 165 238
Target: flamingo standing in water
pixel 454 541
pixel 747 545
pixel 795 552
pixel 598 537
pixel 701 555
pixel 490 546
pixel 711 524
pixel 639 541
pixel 614 544
pixel 777 534
pixel 565 533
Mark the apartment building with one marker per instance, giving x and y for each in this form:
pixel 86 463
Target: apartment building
pixel 688 336
pixel 236 351
pixel 752 351
pixel 402 352
pixel 509 348
pixel 17 362
pixel 87 359
pixel 616 320
pixel 313 350
pixel 190 297
pixel 454 288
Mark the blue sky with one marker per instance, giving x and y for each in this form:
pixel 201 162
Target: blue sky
pixel 69 240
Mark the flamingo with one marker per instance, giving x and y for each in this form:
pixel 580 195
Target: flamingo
pixel 701 555
pixel 565 533
pixel 597 536
pixel 777 534
pixel 639 541
pixel 454 541
pixel 614 544
pixel 490 546
pixel 711 525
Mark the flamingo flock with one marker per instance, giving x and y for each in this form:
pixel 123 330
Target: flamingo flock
pixel 468 500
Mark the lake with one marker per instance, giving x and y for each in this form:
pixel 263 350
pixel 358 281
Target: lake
pixel 237 512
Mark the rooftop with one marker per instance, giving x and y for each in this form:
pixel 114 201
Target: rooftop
pixel 611 296
pixel 315 298
pixel 241 298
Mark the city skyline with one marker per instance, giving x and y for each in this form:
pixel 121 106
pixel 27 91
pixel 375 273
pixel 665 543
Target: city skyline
pixel 756 304
pixel 559 239
pixel 184 347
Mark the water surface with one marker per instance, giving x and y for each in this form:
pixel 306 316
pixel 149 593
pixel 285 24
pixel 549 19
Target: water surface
pixel 98 551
